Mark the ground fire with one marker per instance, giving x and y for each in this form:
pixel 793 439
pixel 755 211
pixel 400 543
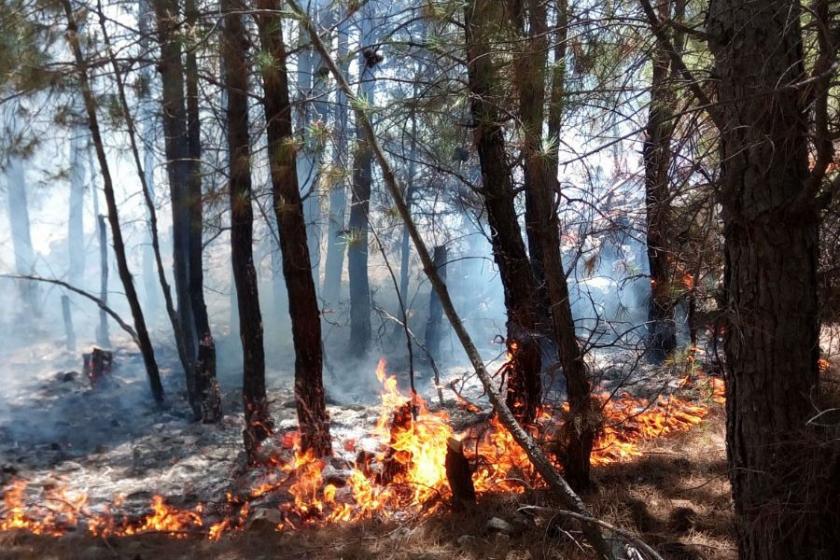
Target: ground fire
pixel 402 474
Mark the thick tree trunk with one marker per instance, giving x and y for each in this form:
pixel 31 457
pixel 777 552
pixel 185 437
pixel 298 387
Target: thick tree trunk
pixel 303 305
pixel 662 328
pixel 524 385
pixel 357 250
pixel 206 398
pixel 338 193
pixel 540 183
pixel 144 341
pixel 234 46
pixel 771 234
pixel 179 169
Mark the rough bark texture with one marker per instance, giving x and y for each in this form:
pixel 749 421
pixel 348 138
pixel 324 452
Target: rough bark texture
pixel 144 341
pixel 540 184
pixel 234 48
pixel 771 236
pixel 520 288
pixel 313 419
pixel 657 157
pixel 205 398
pixel 357 250
pixel 179 169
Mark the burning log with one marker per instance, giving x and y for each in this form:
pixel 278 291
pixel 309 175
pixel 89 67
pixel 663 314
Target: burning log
pixel 97 363
pixel 395 462
pixel 458 474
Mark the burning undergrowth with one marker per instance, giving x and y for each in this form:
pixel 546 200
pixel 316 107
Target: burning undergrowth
pixel 395 471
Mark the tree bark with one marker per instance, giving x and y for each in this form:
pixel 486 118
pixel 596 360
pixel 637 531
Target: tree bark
pixel 656 152
pixel 313 419
pixel 521 298
pixel 206 398
pixel 357 250
pixel 144 341
pixel 234 47
pixel 771 251
pixel 583 419
pixel 69 332
pixel 179 169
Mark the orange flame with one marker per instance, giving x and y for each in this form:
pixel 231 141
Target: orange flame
pixel 416 479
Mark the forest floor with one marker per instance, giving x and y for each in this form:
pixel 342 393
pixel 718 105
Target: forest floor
pixel 55 430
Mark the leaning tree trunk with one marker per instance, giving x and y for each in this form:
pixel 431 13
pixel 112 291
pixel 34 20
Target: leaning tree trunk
pixel 313 419
pixel 179 170
pixel 540 183
pixel 338 192
pixel 143 339
pixel 524 384
pixel 235 69
pixel 434 325
pixel 357 250
pixel 656 153
pixel 771 251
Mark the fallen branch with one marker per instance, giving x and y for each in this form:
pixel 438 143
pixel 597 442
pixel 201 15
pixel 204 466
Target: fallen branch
pixel 626 534
pixel 539 460
pixel 102 305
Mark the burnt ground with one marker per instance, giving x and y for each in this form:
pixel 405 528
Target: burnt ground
pixel 56 430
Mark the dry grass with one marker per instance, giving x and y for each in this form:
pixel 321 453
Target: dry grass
pixel 676 497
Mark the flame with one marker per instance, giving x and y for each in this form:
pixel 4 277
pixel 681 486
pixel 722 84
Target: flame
pixel 403 474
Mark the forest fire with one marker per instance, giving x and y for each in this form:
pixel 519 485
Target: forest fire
pixel 404 476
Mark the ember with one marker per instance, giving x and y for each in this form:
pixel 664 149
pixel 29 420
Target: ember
pixel 412 452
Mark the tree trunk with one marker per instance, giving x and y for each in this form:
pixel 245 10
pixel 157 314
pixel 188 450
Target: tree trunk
pixel 103 339
pixel 771 236
pixel 21 236
pixel 540 184
pixel 179 169
pixel 357 250
pixel 76 225
pixel 434 326
pixel 235 69
pixel 69 333
pixel 657 157
pixel 338 193
pixel 307 158
pixel 303 305
pixel 144 341
pixel 524 384
pixel 148 128
pixel 206 398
